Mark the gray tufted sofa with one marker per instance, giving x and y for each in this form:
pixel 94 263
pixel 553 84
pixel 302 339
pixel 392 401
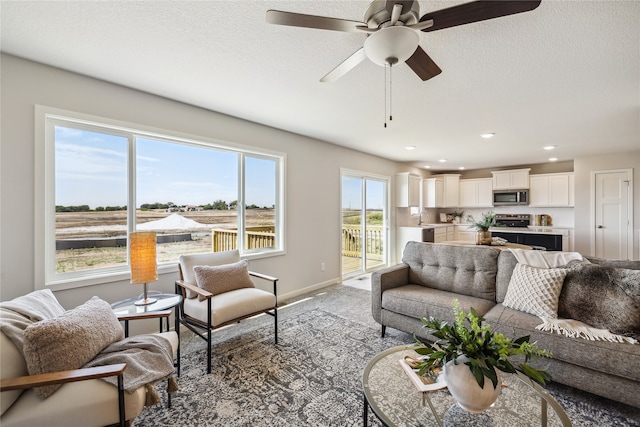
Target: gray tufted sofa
pixel 432 275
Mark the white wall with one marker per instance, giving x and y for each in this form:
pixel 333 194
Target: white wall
pixel 312 176
pixel 583 166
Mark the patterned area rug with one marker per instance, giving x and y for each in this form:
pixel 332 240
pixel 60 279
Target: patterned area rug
pixel 313 376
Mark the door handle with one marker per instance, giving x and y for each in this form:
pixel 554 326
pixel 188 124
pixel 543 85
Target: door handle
pixel 600 226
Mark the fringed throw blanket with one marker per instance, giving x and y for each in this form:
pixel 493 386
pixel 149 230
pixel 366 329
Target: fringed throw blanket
pixel 149 359
pixel 608 300
pixel 576 329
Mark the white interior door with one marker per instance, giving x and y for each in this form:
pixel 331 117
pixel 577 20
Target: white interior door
pixel 612 237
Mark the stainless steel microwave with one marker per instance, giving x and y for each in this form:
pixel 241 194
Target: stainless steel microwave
pixel 510 197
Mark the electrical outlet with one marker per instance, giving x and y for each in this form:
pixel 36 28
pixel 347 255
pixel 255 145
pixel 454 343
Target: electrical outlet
pixel 322 266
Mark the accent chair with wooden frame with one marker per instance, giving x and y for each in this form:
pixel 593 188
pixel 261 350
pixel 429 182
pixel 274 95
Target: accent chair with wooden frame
pixel 203 311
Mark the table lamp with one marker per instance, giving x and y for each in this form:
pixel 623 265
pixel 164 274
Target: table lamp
pixel 142 259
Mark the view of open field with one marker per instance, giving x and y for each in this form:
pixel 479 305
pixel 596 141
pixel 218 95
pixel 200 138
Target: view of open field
pixel 101 225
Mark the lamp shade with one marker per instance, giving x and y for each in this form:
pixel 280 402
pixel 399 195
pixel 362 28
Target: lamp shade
pixel 142 257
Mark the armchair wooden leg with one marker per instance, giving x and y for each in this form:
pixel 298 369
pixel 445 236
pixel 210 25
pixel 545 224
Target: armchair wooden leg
pixel 384 329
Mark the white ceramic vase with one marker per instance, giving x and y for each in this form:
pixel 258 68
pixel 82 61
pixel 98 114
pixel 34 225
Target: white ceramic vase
pixel 465 389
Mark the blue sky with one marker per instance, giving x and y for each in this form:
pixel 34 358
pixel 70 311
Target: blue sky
pixel 91 169
pixel 352 193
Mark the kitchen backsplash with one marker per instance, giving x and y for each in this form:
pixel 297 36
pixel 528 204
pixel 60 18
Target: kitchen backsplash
pixel 561 217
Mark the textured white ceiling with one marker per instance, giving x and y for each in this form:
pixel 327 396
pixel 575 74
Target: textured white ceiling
pixel 565 74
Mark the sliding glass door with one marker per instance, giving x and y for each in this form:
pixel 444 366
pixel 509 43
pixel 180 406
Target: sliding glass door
pixel 364 223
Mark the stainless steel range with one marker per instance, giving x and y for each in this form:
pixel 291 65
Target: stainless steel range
pixel 513 220
pixel 516 230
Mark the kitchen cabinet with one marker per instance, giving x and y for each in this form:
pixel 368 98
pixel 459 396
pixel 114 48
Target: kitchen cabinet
pixel 444 233
pixel 476 193
pixel 551 190
pixel 511 179
pixel 407 190
pixel 465 233
pixel 411 234
pixel 441 191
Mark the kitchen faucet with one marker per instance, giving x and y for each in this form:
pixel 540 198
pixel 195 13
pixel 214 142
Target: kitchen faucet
pixel 420 220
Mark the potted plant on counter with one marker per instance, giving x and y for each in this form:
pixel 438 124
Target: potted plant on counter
pixel 488 220
pixel 471 356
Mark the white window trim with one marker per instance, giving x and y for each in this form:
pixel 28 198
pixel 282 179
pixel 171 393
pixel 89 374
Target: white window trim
pixel 44 203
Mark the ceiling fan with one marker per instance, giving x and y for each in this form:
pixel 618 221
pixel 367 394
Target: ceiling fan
pixel 392 28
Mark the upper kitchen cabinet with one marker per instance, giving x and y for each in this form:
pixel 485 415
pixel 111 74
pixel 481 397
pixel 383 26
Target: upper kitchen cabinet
pixel 441 191
pixel 551 190
pixel 511 179
pixel 407 190
pixel 476 193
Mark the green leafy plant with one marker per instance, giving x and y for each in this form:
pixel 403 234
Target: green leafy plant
pixel 457 214
pixel 488 220
pixel 485 349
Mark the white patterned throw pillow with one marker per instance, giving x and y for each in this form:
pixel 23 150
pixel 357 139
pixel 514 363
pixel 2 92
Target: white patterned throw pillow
pixel 535 290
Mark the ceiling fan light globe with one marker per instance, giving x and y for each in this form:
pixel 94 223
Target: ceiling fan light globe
pixel 391 42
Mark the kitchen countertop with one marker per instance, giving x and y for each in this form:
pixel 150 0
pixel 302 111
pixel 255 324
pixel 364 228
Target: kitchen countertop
pixel 531 229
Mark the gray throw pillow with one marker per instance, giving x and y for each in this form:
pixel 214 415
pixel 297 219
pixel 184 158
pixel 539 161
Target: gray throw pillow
pixel 219 279
pixel 602 297
pixel 70 340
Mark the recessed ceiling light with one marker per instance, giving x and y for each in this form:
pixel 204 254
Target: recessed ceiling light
pixel 549 147
pixel 487 135
pixel 553 159
pixel 442 160
pixel 410 147
pixel 461 168
pixel 427 166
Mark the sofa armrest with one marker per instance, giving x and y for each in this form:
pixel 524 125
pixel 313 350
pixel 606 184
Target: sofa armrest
pixel 381 280
pixel 62 377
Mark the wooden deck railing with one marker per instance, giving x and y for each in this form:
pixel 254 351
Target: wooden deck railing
pixel 352 241
pixel 264 237
pixel 256 237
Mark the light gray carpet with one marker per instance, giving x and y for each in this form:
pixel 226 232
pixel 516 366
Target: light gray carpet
pixel 313 376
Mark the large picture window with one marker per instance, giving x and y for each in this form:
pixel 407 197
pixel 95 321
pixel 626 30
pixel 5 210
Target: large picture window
pixel 103 181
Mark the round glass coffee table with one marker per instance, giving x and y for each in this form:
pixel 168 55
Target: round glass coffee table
pixel 394 399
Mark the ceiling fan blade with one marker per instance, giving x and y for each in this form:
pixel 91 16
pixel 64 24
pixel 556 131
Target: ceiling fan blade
pixel 476 11
pixel 311 21
pixel 345 66
pixel 423 65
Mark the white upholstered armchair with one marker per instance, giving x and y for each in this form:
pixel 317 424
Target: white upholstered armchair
pixel 83 398
pixel 217 291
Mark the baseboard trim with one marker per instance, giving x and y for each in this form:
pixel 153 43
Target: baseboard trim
pixel 307 289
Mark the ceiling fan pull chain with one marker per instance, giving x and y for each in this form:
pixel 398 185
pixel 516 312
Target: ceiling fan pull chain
pixel 385 96
pixel 390 91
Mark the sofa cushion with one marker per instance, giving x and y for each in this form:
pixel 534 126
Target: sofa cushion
pixel 535 290
pixel 223 278
pixel 418 301
pixel 70 340
pixel 602 297
pixel 615 359
pixel 465 270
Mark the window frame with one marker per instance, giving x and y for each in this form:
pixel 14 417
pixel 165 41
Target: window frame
pixel 47 118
